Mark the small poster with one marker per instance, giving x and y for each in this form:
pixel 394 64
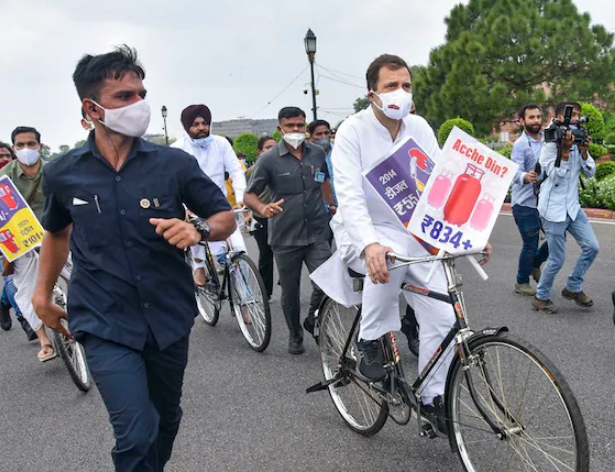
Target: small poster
pixel 20 230
pixel 400 178
pixel 462 199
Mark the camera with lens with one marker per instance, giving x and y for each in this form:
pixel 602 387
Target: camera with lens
pixel 558 128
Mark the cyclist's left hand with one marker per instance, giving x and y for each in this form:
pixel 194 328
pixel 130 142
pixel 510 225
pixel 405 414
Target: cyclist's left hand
pixel 177 232
pixel 487 256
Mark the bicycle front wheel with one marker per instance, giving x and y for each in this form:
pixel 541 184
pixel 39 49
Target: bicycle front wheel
pixel 250 303
pixel 357 403
pixel 513 386
pixel 207 296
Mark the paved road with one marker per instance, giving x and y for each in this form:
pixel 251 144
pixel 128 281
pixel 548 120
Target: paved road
pixel 248 411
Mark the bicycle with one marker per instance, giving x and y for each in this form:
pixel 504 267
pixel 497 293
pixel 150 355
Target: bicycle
pixel 484 399
pixel 243 286
pixel 71 352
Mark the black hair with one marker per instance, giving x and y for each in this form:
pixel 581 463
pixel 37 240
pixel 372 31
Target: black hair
pixel 525 108
pixel 385 60
pixel 290 112
pixel 263 140
pixel 25 129
pixel 560 109
pixel 315 124
pixel 92 71
pixel 241 155
pixel 9 148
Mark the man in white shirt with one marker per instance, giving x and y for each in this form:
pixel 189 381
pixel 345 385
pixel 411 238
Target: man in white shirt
pixel 215 157
pixel 366 231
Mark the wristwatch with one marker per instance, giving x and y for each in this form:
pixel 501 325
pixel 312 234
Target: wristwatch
pixel 203 228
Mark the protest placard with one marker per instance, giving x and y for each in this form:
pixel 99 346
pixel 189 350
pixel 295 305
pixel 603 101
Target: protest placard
pixel 462 199
pixel 20 230
pixel 400 177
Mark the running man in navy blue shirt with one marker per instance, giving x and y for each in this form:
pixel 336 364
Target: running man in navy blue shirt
pixel 131 296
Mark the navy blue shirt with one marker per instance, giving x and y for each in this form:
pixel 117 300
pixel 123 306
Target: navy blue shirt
pixel 126 279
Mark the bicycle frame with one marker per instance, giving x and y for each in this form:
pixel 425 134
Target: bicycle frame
pixel 460 332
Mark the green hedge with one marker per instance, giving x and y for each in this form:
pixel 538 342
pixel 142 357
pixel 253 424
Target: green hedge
pixel 604 170
pixel 597 150
pixel 448 126
pixel 598 194
pixel 610 139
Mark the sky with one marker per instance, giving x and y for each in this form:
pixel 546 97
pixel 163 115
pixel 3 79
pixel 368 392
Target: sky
pixel 241 58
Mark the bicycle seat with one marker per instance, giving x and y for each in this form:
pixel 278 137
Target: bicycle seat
pixel 355 275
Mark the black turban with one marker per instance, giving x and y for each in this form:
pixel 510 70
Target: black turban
pixel 192 113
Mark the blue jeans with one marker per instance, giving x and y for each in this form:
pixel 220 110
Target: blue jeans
pixel 582 232
pixel 8 295
pixel 532 256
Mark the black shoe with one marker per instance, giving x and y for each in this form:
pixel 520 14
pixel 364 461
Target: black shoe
pixel 435 416
pixel 309 324
pixel 27 329
pixel 412 334
pixel 372 360
pixel 613 298
pixel 295 347
pixel 5 317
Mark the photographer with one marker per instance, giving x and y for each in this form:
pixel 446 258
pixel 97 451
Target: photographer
pixel 563 157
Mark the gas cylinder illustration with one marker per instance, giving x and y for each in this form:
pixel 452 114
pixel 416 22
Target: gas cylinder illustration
pixel 420 168
pixel 6 195
pixel 439 190
pixel 8 241
pixel 463 197
pixel 482 213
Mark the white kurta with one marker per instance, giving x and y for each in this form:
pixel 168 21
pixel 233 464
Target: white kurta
pixel 214 161
pixel 363 218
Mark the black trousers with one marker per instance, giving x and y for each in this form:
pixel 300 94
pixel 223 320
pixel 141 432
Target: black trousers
pixel 265 255
pixel 142 391
pixel 290 261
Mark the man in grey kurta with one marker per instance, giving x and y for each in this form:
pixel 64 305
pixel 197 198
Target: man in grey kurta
pixel 296 173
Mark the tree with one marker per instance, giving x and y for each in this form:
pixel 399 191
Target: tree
pixel 81 143
pixel 448 126
pixel 246 143
pixel 595 126
pixel 361 103
pixel 158 139
pixel 500 54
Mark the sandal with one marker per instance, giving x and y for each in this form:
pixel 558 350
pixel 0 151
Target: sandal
pixel 46 353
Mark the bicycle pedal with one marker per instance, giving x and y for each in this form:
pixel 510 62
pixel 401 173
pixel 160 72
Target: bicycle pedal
pixel 427 431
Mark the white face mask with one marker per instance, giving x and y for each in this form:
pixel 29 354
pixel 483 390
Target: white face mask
pixel 131 120
pixel 400 99
pixel 28 157
pixel 294 139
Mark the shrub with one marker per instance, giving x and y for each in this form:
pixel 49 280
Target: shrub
pixel 605 193
pixel 588 195
pixel 246 143
pixel 596 121
pixel 610 139
pixel 604 170
pixel 448 126
pixel 597 150
pixel 505 150
pixel 277 135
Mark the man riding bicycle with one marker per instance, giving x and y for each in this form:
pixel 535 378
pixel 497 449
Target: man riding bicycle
pixel 365 230
pixel 215 157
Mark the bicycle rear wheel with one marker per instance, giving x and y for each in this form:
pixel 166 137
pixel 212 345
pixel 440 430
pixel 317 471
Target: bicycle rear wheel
pixel 72 353
pixel 208 297
pixel 357 403
pixel 250 303
pixel 522 393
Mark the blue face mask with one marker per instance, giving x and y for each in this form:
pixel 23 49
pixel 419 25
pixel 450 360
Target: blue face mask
pixel 203 143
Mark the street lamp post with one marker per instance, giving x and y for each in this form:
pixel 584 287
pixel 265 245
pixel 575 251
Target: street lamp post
pixel 310 49
pixel 164 119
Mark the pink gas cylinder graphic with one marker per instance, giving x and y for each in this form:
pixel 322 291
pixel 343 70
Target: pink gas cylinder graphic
pixel 482 213
pixel 464 195
pixel 6 195
pixel 8 241
pixel 439 190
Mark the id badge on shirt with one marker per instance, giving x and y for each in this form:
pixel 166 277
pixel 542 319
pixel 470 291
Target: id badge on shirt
pixel 319 177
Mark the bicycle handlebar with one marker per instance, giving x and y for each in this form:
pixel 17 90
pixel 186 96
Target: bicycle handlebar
pixel 440 257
